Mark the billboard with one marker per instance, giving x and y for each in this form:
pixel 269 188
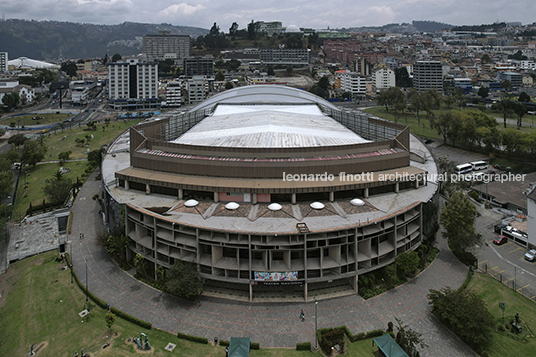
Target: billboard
pixel 284 276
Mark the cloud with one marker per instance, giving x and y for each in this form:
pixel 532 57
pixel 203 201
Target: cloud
pixel 181 9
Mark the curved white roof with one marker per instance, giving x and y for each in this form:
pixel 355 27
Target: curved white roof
pixel 264 93
pixel 265 126
pixel 24 62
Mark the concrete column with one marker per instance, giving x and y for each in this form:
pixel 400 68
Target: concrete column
pixel 416 183
pixel 305 292
pixel 216 197
pixel 155 268
pixel 181 193
pixel 147 189
pixel 126 185
pixel 254 199
pixel 331 196
pixel 366 192
pixel 397 187
pixel 250 292
pixel 293 199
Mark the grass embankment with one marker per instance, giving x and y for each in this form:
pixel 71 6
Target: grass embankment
pixel 56 142
pixel 42 308
pixel 503 343
pixel 36 119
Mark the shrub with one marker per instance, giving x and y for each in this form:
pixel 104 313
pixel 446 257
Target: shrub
pixel 224 343
pixel 375 333
pixel 360 336
pixel 303 346
pixel 255 346
pixel 197 339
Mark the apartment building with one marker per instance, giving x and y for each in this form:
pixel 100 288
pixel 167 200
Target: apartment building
pixel 164 46
pixel 3 61
pixel 174 94
pixel 133 81
pixel 383 78
pixel 354 83
pixel 199 66
pixel 197 89
pixel 284 56
pixel 428 75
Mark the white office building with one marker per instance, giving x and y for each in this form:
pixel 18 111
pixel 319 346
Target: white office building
pixel 354 83
pixel 133 80
pixel 3 61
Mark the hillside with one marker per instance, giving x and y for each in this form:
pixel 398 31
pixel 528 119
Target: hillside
pixel 49 40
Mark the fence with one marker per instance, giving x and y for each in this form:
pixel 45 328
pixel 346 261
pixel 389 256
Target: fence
pixel 509 278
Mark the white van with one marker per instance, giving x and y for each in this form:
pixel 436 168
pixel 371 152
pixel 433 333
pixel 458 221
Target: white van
pixel 479 165
pixel 464 169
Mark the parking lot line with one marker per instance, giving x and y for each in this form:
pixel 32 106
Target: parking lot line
pixel 518 248
pixel 533 297
pixel 502 271
pixel 522 287
pixel 482 262
pixel 508 280
pixel 477 254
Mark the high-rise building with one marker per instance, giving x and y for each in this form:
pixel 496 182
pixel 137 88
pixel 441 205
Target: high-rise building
pixel 166 46
pixel 3 61
pixel 197 89
pixel 174 94
pixel 383 78
pixel 428 75
pixel 133 81
pixel 199 66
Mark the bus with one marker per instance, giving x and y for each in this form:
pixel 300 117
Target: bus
pixel 479 165
pixel 464 169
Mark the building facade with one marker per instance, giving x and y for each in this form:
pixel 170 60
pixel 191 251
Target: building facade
pixel 199 66
pixel 428 75
pixel 132 81
pixel 3 61
pixel 227 186
pixel 164 46
pixel 383 78
pixel 174 94
pixel 284 56
pixel 197 88
pixel 354 83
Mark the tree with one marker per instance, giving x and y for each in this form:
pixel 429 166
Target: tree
pixel 408 339
pixel 229 85
pixel 486 58
pixel 11 100
pixel 94 157
pixel 458 221
pixel 116 245
pixel 252 30
pixel 416 101
pixel 483 92
pixel 290 69
pixel 524 97
pixel 69 68
pixel 507 85
pixel 57 191
pixel 17 140
pixel 64 156
pixel 6 184
pixel 407 262
pixel 505 105
pixel 183 280
pixel 465 313
pixel 233 29
pixel 520 110
pixel 214 30
pixel 116 57
pixel 270 70
pixel 139 264
pixel 110 319
pixel 220 77
pixel 32 152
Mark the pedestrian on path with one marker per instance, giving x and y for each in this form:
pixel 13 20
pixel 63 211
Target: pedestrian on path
pixel 302 316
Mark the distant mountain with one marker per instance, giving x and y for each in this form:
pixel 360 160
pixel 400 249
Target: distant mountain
pixel 414 27
pixel 51 40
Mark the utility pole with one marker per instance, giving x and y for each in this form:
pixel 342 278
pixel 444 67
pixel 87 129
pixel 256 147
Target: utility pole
pixel 316 322
pixel 87 291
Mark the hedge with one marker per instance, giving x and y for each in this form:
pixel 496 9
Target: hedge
pixel 352 338
pixel 89 293
pixel 184 336
pixel 134 320
pixel 224 343
pixel 255 346
pixel 303 346
pixel 375 333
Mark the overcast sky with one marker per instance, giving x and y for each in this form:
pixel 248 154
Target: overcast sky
pixel 318 14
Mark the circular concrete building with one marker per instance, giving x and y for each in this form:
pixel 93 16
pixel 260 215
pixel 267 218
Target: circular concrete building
pixel 269 188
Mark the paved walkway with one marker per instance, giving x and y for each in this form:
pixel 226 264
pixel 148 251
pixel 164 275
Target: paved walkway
pixel 270 324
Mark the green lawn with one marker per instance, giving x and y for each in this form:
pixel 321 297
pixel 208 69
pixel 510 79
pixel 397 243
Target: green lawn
pixel 47 118
pixel 493 292
pixel 42 307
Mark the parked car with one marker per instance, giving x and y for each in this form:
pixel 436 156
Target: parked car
pixel 500 240
pixel 499 167
pixel 530 255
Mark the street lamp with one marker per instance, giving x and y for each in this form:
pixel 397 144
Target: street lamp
pixel 316 322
